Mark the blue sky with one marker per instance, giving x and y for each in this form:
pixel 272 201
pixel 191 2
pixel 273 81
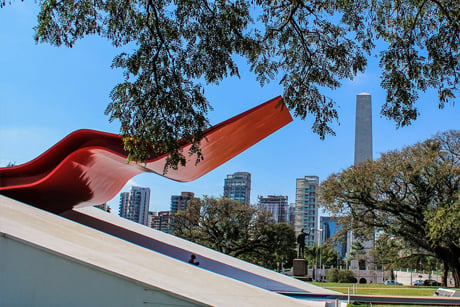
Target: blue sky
pixel 47 92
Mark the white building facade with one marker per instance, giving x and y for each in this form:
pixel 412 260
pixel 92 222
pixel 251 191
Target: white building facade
pixel 306 211
pixel 134 205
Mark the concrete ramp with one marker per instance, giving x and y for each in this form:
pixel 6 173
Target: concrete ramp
pixel 47 260
pixel 181 250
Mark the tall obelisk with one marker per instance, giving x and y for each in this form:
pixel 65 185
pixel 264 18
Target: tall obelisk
pixel 363 152
pixel 363 128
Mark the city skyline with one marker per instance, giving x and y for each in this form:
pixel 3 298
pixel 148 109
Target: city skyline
pixel 48 92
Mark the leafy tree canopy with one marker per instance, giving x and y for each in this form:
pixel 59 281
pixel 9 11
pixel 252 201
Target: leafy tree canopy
pixel 412 195
pixel 236 229
pixel 387 253
pixel 178 46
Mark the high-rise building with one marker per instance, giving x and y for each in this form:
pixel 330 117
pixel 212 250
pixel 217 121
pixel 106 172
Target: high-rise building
pixel 151 218
pixel 306 211
pixel 237 186
pixel 140 202
pixel 330 229
pixel 164 221
pixel 291 215
pixel 160 221
pixel 277 205
pixel 134 205
pixel 124 205
pixel 180 202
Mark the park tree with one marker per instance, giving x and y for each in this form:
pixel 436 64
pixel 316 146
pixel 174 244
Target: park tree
pixel 169 50
pixel 319 256
pixel 323 255
pixel 411 194
pixel 329 256
pixel 391 253
pixel 388 254
pixel 236 229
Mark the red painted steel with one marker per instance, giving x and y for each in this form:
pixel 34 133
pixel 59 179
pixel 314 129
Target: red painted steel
pixel 89 167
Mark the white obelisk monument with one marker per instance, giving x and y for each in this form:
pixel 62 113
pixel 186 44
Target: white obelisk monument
pixel 363 152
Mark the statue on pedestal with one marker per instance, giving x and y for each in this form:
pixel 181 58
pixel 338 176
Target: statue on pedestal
pixel 301 244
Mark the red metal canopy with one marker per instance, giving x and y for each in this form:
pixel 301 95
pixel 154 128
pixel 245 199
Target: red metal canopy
pixel 89 167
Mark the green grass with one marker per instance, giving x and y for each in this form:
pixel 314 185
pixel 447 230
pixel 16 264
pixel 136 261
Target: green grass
pixel 383 305
pixel 378 289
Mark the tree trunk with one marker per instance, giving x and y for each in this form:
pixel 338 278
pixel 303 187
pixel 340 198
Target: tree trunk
pixel 451 262
pixel 454 266
pixel 445 270
pixel 456 274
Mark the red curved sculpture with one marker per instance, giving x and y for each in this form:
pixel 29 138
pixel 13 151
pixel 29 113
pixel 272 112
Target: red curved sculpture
pixel 89 167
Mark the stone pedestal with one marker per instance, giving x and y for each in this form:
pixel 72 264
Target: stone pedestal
pixel 299 267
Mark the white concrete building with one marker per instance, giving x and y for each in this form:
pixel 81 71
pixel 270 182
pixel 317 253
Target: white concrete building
pixel 77 260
